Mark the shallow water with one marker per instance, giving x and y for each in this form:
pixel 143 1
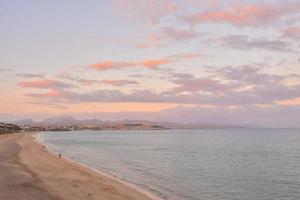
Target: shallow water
pixel 205 164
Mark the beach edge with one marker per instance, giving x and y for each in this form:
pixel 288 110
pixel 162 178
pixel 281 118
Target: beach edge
pixel 130 191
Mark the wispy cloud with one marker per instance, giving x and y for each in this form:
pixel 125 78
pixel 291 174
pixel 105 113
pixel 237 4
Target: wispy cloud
pixel 188 56
pixel 88 82
pixel 243 42
pixel 26 75
pixel 201 84
pixel 122 82
pixel 248 75
pixel 246 14
pixel 43 84
pixel 168 35
pixel 149 64
pixel 291 32
pixel 5 70
pixel 149 11
pixel 119 82
pixel 177 34
pixel 227 86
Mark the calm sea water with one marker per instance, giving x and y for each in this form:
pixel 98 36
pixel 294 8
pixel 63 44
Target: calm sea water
pixel 208 164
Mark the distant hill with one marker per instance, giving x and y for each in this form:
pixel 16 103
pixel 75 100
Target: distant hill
pixel 122 124
pixel 24 122
pixel 61 120
pixel 8 128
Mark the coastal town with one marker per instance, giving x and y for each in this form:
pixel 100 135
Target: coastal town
pixel 12 128
pixel 9 128
pixel 69 123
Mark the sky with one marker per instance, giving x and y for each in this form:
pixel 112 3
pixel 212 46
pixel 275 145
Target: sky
pixel 215 61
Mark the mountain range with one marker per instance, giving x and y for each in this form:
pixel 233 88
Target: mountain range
pixel 71 121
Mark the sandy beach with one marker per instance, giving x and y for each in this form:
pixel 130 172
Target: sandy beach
pixel 28 171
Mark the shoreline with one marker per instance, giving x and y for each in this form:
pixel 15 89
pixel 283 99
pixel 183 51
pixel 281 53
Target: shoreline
pixel 68 179
pixel 17 181
pixel 35 137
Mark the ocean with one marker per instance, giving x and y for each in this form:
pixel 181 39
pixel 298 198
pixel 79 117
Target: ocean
pixel 203 164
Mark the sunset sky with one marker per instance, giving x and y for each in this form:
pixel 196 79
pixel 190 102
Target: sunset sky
pixel 230 61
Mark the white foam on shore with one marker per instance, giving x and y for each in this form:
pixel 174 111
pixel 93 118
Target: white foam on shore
pixel 51 149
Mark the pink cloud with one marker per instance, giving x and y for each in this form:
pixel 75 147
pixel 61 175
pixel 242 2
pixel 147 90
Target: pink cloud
pixel 153 40
pixel 154 63
pixel 291 32
pixel 247 14
pixel 53 94
pixel 142 45
pixel 107 65
pixel 150 11
pixel 188 56
pixel 177 34
pixel 168 34
pixel 42 84
pixel 224 86
pixel 191 55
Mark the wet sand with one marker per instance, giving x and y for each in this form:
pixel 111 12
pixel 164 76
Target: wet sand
pixel 28 171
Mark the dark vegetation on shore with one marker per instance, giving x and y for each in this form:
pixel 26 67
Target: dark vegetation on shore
pixel 9 128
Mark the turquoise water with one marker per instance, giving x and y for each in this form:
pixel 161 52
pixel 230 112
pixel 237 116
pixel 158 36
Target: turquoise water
pixel 206 164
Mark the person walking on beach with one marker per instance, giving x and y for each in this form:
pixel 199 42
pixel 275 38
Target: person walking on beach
pixel 59 155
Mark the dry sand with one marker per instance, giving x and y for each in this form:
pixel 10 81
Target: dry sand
pixel 28 171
